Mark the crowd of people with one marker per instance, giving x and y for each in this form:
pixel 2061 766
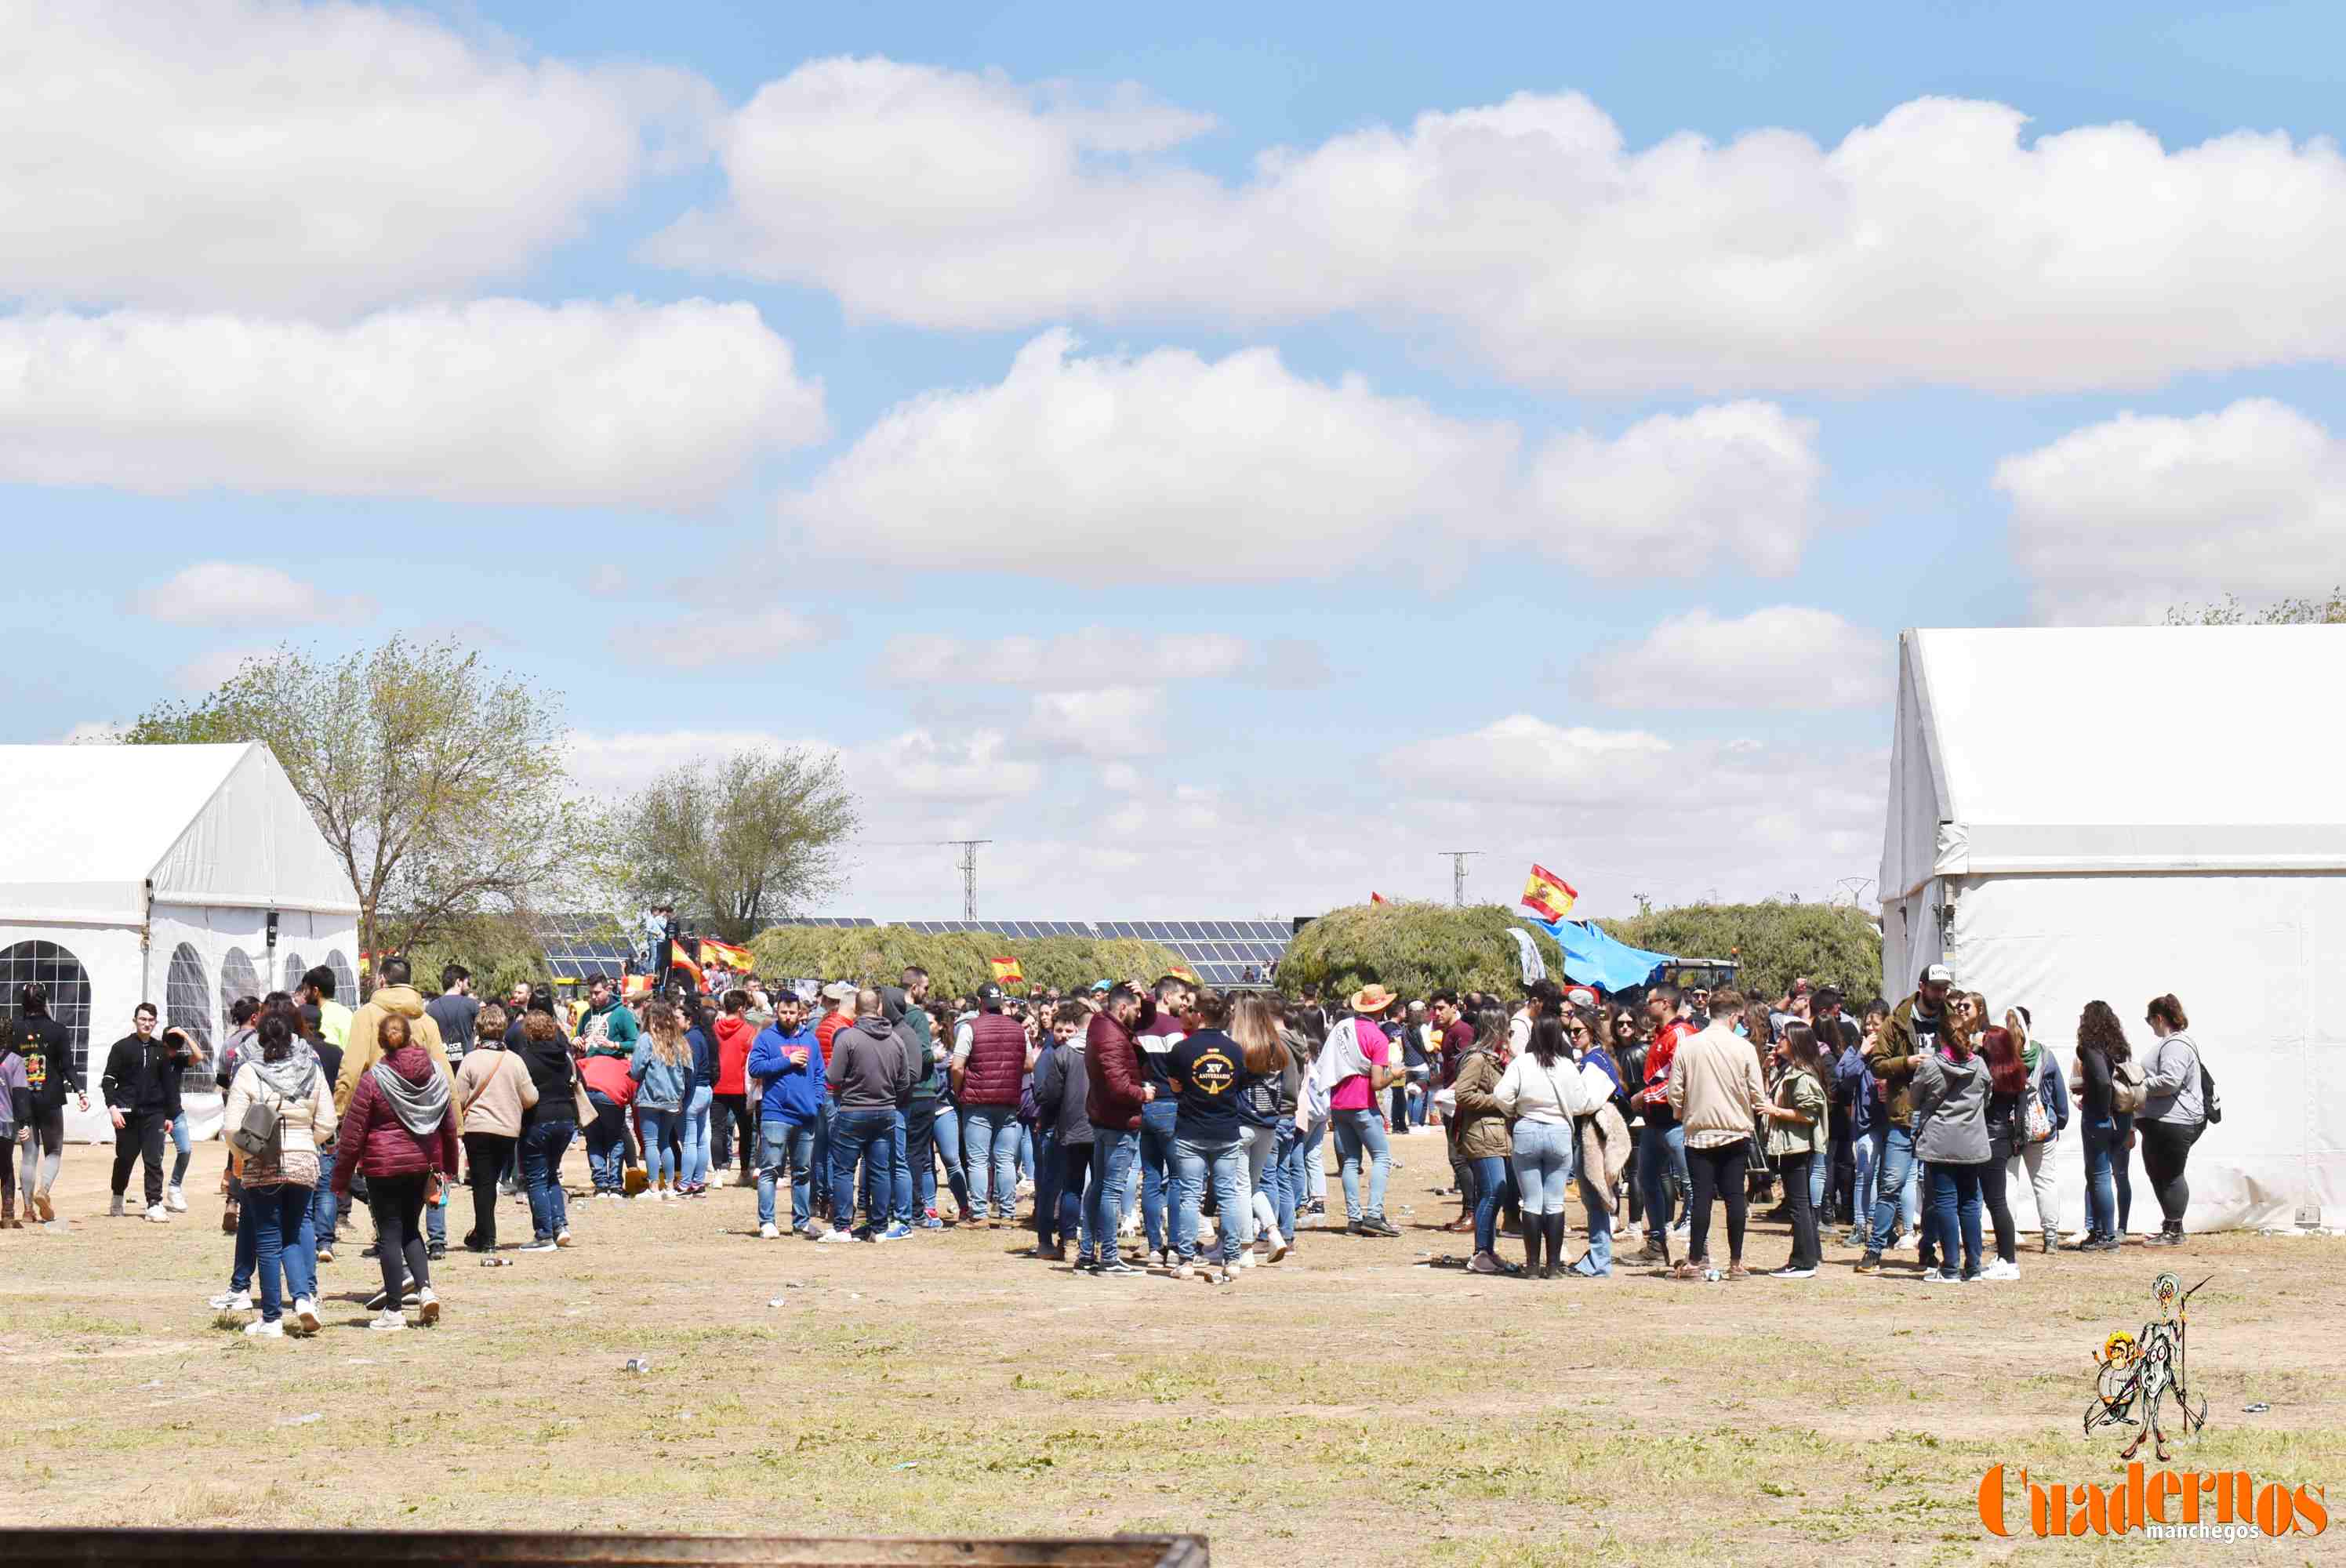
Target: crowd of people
pixel 1125 1116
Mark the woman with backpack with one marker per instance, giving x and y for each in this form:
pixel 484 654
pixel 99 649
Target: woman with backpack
pixel 280 1084
pixel 2042 1113
pixel 2102 1056
pixel 399 1131
pixel 2175 1112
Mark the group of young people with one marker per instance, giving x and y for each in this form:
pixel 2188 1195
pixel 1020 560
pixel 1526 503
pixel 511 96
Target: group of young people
pixel 1130 1114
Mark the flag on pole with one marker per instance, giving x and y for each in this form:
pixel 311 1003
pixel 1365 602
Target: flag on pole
pixel 734 958
pixel 1007 972
pixel 635 985
pixel 1548 895
pixel 1378 898
pixel 679 958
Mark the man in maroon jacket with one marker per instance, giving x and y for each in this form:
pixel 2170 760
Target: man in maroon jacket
pixel 1118 1090
pixel 987 1073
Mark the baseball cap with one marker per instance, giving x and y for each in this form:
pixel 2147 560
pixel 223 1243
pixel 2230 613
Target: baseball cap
pixel 839 990
pixel 988 994
pixel 1938 974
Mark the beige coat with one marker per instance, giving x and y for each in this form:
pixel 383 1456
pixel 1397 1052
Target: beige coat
pixel 1716 1088
pixel 493 1090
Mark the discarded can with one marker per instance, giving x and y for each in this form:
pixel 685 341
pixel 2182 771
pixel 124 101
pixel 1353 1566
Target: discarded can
pixel 1710 1275
pixel 637 1364
pixel 496 1263
pixel 2259 1407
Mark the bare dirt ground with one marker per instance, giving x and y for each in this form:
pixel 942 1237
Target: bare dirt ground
pixel 1345 1406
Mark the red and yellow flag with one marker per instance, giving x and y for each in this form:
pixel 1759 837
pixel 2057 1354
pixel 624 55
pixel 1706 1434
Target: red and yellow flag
pixel 1183 972
pixel 1007 972
pixel 1378 898
pixel 634 985
pixel 1548 895
pixel 733 958
pixel 678 958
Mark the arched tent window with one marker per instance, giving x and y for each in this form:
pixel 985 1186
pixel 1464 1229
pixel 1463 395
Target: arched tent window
pixel 188 1005
pixel 68 983
pixel 346 982
pixel 294 970
pixel 238 979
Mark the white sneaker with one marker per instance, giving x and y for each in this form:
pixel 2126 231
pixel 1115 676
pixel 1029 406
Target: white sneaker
pixel 1278 1248
pixel 231 1301
pixel 305 1313
pixel 1999 1269
pixel 429 1311
pixel 174 1200
pixel 159 1214
pixel 389 1323
pixel 264 1329
pixel 1908 1242
pixel 1246 1260
pixel 1185 1272
pixel 770 1233
pixel 562 1238
pixel 1943 1276
pixel 836 1236
pixel 649 1195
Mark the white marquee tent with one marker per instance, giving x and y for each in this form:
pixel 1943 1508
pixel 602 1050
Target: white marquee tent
pixel 184 875
pixel 2115 813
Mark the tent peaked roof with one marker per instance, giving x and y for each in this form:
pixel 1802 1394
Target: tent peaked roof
pixel 2116 748
pixel 87 827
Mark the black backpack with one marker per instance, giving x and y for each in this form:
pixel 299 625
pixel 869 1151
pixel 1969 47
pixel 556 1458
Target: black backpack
pixel 2208 1100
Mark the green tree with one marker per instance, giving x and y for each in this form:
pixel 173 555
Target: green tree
pixel 2329 612
pixel 438 783
pixel 1413 947
pixel 1775 943
pixel 746 841
pixel 957 961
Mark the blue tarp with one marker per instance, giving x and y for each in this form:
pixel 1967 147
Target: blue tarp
pixel 1593 958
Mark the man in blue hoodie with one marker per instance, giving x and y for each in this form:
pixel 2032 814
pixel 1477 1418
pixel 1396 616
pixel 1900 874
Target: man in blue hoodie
pixel 785 1073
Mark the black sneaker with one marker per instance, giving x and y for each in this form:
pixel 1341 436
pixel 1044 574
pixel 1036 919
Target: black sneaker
pixel 1377 1224
pixel 1116 1266
pixel 436 1251
pixel 1870 1263
pixel 371 1251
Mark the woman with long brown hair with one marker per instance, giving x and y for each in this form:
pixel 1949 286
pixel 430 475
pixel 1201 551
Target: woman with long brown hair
pixel 663 1068
pixel 1797 1111
pixel 1266 1104
pixel 1950 1096
pixel 2102 1054
pixel 2007 1131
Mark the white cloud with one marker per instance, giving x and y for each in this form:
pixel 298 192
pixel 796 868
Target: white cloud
pixel 1936 245
pixel 2118 520
pixel 710 639
pixel 500 401
pixel 1092 657
pixel 244 593
pixel 302 159
pixel 1783 657
pixel 208 672
pixel 922 766
pixel 917 770
pixel 1238 468
pixel 1522 758
pixel 1115 721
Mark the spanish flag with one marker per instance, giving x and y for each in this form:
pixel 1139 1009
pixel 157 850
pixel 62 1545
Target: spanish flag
pixel 1377 898
pixel 635 985
pixel 733 958
pixel 1548 894
pixel 679 958
pixel 1007 972
pixel 1183 972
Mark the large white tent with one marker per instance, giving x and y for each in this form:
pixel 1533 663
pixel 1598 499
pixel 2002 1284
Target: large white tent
pixel 184 875
pixel 2115 813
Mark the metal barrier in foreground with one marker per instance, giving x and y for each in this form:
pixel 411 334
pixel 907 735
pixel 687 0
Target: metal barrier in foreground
pixel 497 1549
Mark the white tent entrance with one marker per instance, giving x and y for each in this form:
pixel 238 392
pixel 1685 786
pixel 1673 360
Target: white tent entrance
pixel 2115 813
pixel 183 875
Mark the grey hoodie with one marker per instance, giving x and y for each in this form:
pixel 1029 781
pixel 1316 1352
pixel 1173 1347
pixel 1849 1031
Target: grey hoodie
pixel 867 1069
pixel 1951 1110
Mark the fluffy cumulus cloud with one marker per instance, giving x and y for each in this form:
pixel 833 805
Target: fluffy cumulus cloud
pixel 1111 721
pixel 1075 464
pixel 2121 520
pixel 502 401
pixel 251 155
pixel 1093 656
pixel 1784 657
pixel 1940 244
pixel 244 593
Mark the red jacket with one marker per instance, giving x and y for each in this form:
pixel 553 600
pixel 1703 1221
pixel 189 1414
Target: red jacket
pixel 374 1141
pixel 608 1076
pixel 997 1061
pixel 1112 1098
pixel 733 1038
pixel 1659 1057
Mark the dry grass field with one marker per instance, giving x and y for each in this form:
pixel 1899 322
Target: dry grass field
pixel 1348 1406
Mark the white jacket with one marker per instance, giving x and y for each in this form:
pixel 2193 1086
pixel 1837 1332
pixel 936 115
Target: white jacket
pixel 1530 1093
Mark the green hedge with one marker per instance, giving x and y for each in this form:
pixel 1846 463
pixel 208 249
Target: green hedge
pixel 1774 942
pixel 1412 949
pixel 957 961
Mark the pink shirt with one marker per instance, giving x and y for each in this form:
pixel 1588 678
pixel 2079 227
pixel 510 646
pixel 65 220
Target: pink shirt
pixel 1353 1094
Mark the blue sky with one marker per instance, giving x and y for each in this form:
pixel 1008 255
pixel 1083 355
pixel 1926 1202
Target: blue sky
pixel 1160 449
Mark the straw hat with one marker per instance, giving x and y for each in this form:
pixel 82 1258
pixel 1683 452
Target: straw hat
pixel 1372 999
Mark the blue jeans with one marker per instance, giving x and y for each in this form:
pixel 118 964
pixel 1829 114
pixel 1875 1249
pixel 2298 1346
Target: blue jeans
pixel 1663 1186
pixel 900 1173
pixel 1866 1150
pixel 1311 1149
pixel 1955 1213
pixel 1156 1174
pixel 1817 1183
pixel 183 1142
pixel 863 1137
pixel 543 1145
pixel 1490 1178
pixel 247 1243
pixel 1027 1170
pixel 659 1127
pixel 2103 1141
pixel 991 1132
pixel 821 1127
pixel 1543 1164
pixel 607 1145
pixel 786 1146
pixel 321 1207
pixel 1355 1131
pixel 932 1129
pixel 1046 1185
pixel 284 1243
pixel 2122 1170
pixel 1195 1162
pixel 1113 1153
pixel 1599 1259
pixel 1266 1157
pixel 696 1135
pixel 1896 1154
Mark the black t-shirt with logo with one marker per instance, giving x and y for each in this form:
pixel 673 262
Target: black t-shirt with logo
pixel 48 1050
pixel 1212 1070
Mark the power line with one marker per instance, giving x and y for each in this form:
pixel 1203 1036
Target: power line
pixel 1458 859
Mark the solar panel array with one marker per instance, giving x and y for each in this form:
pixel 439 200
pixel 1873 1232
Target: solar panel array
pixel 1222 952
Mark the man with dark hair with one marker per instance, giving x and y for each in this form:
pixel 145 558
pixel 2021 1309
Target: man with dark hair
pixel 1911 1030
pixel 988 1069
pixel 867 1069
pixel 1116 1092
pixel 141 1089
pixel 455 1009
pixel 48 1048
pixel 333 1018
pixel 1160 1030
pixel 1662 1179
